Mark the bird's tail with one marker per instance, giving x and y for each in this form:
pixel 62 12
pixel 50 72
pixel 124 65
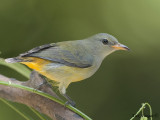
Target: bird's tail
pixel 14 60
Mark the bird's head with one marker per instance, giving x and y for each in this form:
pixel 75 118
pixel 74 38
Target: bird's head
pixel 104 44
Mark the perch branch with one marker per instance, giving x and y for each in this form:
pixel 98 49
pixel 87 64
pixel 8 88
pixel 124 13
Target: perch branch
pixel 42 104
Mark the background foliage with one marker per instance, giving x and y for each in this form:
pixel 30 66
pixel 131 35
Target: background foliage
pixel 125 79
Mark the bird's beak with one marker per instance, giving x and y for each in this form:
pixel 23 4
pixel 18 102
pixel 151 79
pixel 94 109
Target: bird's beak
pixel 120 47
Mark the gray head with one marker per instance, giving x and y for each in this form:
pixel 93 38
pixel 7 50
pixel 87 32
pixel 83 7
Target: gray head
pixel 104 44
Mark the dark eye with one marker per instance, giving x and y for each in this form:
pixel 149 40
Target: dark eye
pixel 105 41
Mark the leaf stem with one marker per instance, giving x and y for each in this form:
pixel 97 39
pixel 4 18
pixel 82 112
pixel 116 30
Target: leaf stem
pixel 142 109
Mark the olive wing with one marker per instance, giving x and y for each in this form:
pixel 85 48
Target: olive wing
pixel 69 55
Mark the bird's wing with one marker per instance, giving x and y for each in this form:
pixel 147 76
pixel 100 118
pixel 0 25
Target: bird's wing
pixel 67 54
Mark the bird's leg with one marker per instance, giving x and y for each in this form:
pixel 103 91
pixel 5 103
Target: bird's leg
pixel 62 89
pixel 37 80
pixel 69 100
pixel 44 82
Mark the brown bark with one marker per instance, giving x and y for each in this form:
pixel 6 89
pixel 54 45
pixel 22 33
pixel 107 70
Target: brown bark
pixel 43 105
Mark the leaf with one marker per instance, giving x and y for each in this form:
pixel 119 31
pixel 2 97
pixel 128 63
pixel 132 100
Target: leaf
pixel 17 67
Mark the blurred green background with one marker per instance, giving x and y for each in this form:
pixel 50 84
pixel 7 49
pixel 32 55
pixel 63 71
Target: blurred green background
pixel 125 79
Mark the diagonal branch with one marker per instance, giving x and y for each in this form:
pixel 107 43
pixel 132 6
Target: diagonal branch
pixel 44 105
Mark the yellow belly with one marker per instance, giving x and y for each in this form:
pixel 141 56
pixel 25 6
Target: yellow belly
pixel 65 73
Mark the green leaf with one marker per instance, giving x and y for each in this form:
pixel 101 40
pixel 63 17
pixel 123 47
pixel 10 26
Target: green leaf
pixel 17 67
pixel 15 109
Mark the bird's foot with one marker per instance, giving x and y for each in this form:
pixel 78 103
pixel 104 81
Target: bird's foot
pixel 69 100
pixel 72 103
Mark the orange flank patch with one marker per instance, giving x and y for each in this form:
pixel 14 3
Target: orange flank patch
pixel 36 63
pixel 70 73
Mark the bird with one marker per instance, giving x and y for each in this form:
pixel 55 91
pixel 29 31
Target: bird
pixel 69 61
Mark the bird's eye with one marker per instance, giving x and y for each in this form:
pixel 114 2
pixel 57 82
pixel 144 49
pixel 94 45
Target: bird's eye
pixel 105 41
